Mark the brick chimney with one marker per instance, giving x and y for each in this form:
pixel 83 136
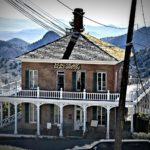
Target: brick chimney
pixel 77 23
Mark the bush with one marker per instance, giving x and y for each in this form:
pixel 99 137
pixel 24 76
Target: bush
pixel 141 135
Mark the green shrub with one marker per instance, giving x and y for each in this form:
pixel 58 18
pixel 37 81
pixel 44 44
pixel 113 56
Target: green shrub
pixel 141 135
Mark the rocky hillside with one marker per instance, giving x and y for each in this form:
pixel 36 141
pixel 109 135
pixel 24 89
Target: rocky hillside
pixel 12 48
pixel 143 63
pixel 47 38
pixel 141 39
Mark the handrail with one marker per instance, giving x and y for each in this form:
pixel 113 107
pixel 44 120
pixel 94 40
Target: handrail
pixel 137 94
pixel 9 120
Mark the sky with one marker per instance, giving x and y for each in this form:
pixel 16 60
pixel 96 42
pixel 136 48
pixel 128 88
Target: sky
pixel 110 12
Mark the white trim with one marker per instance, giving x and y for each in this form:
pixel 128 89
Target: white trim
pixel 80 123
pixel 101 81
pixel 33 78
pixel 68 61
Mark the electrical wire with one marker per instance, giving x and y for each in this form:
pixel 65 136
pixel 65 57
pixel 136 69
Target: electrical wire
pixel 92 19
pixel 39 15
pixel 47 14
pixel 144 20
pixel 31 15
pixel 138 72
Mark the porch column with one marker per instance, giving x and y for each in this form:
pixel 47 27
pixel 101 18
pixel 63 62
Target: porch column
pixel 15 131
pixel 1 113
pixel 61 121
pixel 132 113
pixel 84 119
pixel 38 118
pixel 108 118
pixel 8 110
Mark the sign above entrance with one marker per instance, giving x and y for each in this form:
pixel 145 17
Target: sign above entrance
pixel 67 66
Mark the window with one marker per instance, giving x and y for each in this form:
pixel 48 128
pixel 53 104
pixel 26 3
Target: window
pixel 101 115
pixel 56 114
pixel 60 80
pixel 33 79
pixel 80 81
pixel 101 81
pixel 32 113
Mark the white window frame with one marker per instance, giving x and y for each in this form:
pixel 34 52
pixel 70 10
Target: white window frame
pixel 32 79
pixel 77 79
pixel 102 90
pixel 33 112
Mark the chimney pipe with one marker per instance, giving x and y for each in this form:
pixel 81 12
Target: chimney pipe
pixel 77 23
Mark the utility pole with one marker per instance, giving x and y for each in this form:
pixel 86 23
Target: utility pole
pixel 124 81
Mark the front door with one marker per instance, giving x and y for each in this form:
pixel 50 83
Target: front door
pixel 78 122
pixel 60 80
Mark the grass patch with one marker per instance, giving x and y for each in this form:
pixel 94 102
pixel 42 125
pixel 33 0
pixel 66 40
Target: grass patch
pixel 5 147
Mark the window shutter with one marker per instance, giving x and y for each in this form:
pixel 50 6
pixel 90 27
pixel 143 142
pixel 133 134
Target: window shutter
pixel 73 81
pixel 26 112
pixel 94 82
pixel 94 112
pixel 27 79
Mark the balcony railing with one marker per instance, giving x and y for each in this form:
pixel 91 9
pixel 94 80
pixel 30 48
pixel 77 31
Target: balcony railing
pixel 68 95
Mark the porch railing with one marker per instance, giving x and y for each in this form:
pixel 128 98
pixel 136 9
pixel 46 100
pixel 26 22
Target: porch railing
pixel 9 120
pixel 68 95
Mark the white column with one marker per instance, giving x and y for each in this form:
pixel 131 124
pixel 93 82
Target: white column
pixel 132 113
pixel 84 119
pixel 108 119
pixel 8 110
pixel 38 118
pixel 15 106
pixel 61 121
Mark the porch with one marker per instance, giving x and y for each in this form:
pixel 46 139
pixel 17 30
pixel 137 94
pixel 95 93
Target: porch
pixel 61 99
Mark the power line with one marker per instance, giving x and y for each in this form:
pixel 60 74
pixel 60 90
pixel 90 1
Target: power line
pixel 34 16
pixel 47 14
pixel 92 19
pixel 39 15
pixel 138 72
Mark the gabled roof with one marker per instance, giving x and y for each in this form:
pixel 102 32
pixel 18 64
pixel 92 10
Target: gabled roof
pixel 113 50
pixel 86 48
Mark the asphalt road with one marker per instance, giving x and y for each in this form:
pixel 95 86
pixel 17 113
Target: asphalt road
pixel 44 144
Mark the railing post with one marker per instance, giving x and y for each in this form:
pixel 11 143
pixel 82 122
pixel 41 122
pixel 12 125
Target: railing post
pixel 38 92
pixel 61 93
pixel 84 94
pixel 16 89
pixel 108 95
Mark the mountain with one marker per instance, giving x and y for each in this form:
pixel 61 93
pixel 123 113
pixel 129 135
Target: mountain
pixel 143 63
pixel 12 48
pixel 141 39
pixel 15 47
pixel 29 35
pixel 102 31
pixel 47 38
pixel 18 42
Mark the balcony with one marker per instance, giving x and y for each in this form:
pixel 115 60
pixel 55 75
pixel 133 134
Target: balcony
pixel 14 90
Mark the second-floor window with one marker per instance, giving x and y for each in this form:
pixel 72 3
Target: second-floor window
pixel 101 81
pixel 33 79
pixel 80 81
